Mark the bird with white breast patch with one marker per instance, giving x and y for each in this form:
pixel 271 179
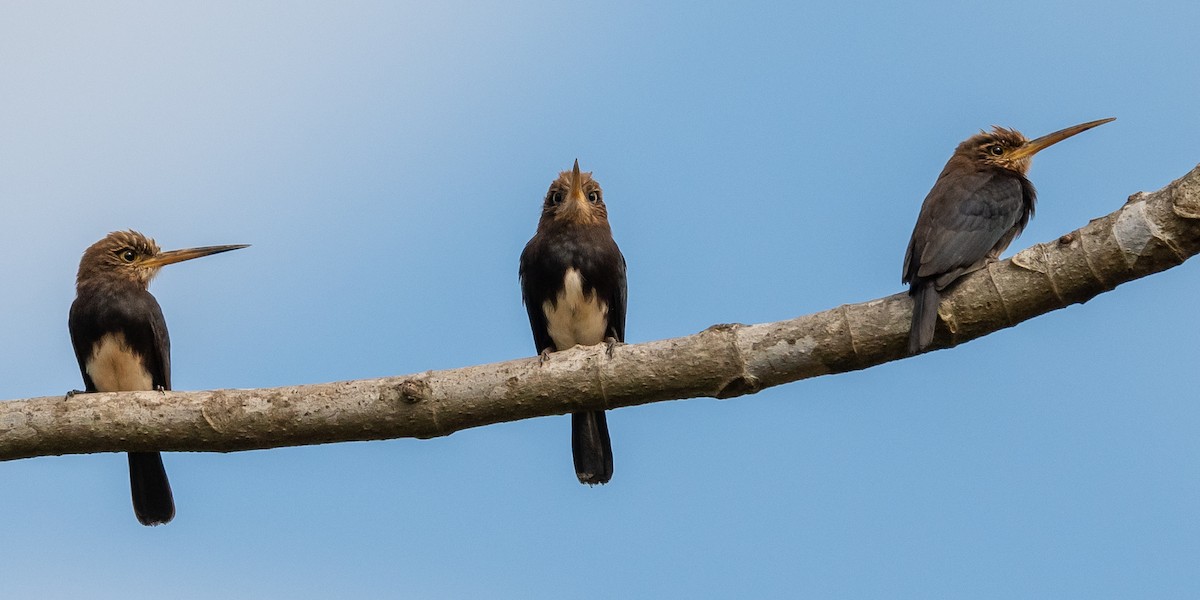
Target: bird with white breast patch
pixel 573 284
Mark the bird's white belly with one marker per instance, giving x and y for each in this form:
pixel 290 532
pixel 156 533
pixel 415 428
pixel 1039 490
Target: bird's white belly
pixel 114 367
pixel 575 318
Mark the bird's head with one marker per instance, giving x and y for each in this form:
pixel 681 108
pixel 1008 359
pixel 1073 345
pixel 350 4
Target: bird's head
pixel 132 258
pixel 1008 149
pixel 574 198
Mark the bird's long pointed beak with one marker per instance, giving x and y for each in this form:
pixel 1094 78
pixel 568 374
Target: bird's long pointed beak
pixel 174 256
pixel 576 191
pixel 1034 146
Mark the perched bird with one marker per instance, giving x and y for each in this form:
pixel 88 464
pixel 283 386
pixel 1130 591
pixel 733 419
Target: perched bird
pixel 979 204
pixel 121 342
pixel 573 284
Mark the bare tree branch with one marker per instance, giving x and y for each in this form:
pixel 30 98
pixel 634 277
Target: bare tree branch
pixel 1150 233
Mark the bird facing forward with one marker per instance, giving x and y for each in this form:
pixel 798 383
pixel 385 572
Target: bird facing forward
pixel 121 342
pixel 573 285
pixel 980 203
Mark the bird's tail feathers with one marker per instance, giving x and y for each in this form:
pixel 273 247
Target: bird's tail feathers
pixel 591 447
pixel 925 315
pixel 152 500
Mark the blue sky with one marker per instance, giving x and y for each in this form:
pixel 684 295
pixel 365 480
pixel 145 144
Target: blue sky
pixel 760 161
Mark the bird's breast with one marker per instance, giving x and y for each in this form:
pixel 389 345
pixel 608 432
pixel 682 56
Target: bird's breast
pixel 573 317
pixel 115 367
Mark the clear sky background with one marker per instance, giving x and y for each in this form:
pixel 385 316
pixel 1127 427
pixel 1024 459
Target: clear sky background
pixel 760 161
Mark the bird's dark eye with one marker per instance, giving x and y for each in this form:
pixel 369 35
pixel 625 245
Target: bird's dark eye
pixel 593 197
pixel 554 197
pixel 128 255
pixel 996 149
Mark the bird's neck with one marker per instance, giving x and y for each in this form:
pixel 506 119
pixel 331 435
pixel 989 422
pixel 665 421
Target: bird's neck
pixel 580 223
pixel 111 286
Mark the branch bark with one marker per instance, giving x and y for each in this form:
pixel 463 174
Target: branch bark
pixel 1152 232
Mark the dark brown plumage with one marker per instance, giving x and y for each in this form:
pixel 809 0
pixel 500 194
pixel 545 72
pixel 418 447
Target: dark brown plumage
pixel 573 285
pixel 121 342
pixel 980 203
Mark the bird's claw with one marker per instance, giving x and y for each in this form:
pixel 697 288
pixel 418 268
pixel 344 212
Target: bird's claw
pixel 543 356
pixel 71 393
pixel 610 343
pixel 162 390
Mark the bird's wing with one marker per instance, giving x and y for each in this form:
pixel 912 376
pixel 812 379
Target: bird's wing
pixel 963 219
pixel 159 363
pixel 617 302
pixel 146 333
pixel 533 294
pixel 83 336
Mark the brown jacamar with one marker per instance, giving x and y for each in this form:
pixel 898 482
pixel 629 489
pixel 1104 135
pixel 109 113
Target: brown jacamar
pixel 573 285
pixel 980 203
pixel 121 342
